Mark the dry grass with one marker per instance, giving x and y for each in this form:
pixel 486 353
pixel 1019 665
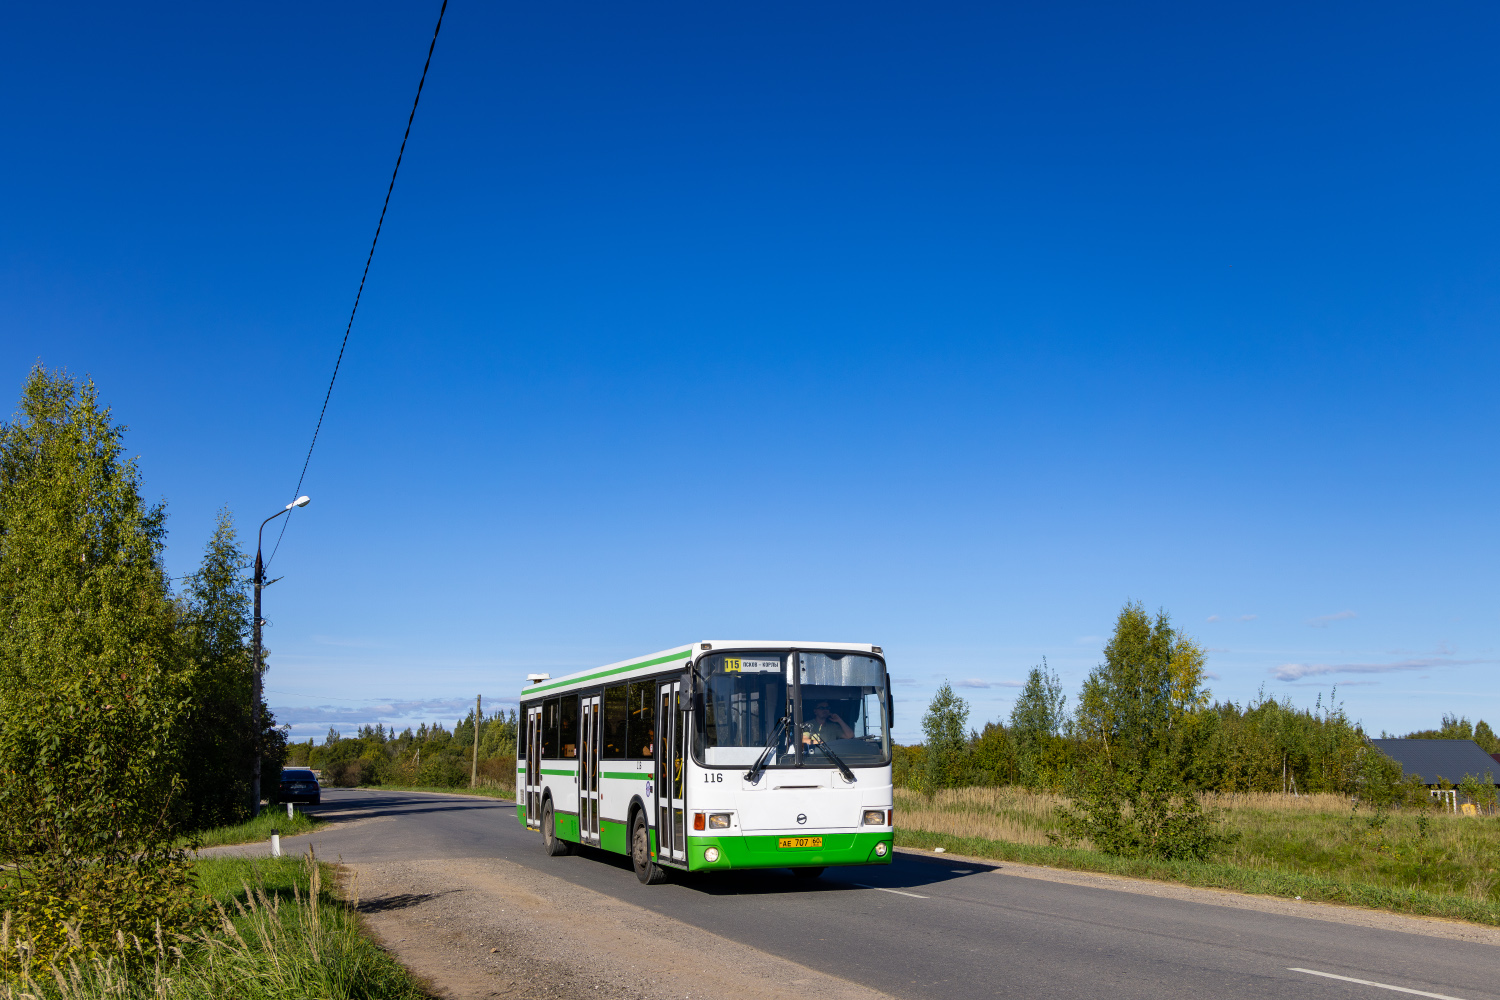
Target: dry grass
pixel 1275 802
pixel 1011 814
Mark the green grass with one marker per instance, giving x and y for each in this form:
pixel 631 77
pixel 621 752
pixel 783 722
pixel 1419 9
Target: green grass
pixel 259 828
pixel 1317 847
pixel 1216 875
pixel 281 935
pixel 1437 853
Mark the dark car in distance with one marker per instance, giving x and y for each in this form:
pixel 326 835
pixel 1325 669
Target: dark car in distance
pixel 298 784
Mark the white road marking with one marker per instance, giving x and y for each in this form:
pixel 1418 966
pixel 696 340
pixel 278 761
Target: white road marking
pixel 1367 982
pixel 896 891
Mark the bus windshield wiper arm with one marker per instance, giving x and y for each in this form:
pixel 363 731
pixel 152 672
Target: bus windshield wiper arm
pixel 756 769
pixel 843 768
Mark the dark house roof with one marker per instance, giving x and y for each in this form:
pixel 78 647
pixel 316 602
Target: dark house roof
pixel 1432 759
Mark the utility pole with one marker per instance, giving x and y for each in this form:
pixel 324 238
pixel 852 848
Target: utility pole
pixel 474 772
pixel 258 654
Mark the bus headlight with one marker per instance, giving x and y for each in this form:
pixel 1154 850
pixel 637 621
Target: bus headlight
pixel 718 821
pixel 711 855
pixel 880 849
pixel 874 817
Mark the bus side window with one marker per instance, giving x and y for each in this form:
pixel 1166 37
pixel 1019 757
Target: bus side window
pixel 549 729
pixel 612 746
pixel 641 731
pixel 568 726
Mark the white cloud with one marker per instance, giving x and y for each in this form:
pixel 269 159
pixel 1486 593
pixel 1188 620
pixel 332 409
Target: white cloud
pixel 1297 671
pixel 1319 684
pixel 1213 618
pixel 1084 640
pixel 1322 620
pixel 1248 618
pixel 975 682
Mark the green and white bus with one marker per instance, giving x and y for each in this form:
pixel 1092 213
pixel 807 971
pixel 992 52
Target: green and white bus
pixel 714 756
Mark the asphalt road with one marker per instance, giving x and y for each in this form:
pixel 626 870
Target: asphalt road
pixel 946 930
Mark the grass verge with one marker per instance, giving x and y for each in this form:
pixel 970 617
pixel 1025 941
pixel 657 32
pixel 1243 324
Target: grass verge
pixel 490 792
pixel 1267 881
pixel 279 934
pixel 259 828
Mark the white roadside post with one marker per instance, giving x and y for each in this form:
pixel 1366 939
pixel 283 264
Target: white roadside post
pixel 275 842
pixel 289 808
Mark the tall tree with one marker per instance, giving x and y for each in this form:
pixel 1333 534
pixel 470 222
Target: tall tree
pixel 217 744
pixel 1132 798
pixel 1036 720
pixel 92 682
pixel 945 726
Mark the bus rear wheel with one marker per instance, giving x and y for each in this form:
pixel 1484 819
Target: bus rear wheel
pixel 648 871
pixel 807 872
pixel 550 842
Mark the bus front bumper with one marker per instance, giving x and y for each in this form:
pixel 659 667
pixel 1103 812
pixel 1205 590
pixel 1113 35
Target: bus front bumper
pixel 764 851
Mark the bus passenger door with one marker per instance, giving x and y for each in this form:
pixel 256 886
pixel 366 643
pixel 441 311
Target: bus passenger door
pixel 533 798
pixel 671 779
pixel 588 771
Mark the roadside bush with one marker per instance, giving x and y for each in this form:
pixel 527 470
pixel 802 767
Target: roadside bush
pixel 350 773
pixel 908 764
pixel 444 770
pixel 93 684
pixel 1131 799
pixel 500 771
pixel 1147 816
pixel 291 943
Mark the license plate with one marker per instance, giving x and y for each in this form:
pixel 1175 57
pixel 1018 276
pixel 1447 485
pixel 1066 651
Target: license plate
pixel 800 842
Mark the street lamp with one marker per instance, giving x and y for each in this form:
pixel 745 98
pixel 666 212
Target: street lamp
pixel 260 577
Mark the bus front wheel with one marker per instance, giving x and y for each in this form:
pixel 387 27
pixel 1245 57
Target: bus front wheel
pixel 550 843
pixel 648 871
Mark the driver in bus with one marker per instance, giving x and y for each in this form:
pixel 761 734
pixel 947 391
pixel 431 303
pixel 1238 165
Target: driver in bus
pixel 825 725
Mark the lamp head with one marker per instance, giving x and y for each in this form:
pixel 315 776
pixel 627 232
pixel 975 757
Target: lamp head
pixel 299 502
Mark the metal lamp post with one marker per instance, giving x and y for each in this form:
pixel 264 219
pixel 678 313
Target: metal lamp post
pixel 255 645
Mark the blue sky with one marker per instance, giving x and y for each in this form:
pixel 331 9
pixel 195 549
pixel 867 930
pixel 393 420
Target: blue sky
pixel 949 329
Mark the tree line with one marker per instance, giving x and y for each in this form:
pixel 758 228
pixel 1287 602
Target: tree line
pixel 124 700
pixel 430 756
pixel 1144 738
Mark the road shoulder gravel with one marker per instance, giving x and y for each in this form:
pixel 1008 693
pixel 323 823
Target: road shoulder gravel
pixel 484 927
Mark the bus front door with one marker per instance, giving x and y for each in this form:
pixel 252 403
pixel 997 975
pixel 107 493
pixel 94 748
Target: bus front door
pixel 671 779
pixel 588 772
pixel 534 768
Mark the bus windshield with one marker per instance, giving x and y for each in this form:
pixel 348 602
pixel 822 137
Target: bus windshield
pixel 746 696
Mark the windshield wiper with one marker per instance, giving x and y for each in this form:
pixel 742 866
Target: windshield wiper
pixel 843 768
pixel 759 767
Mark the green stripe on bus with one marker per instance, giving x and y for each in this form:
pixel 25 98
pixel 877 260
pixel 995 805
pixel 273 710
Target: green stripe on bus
pixel 631 775
pixel 608 673
pixel 548 770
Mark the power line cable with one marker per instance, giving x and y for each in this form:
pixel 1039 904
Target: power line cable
pixel 371 256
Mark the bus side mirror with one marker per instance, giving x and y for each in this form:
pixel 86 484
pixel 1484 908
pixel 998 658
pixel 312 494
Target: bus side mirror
pixel 890 706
